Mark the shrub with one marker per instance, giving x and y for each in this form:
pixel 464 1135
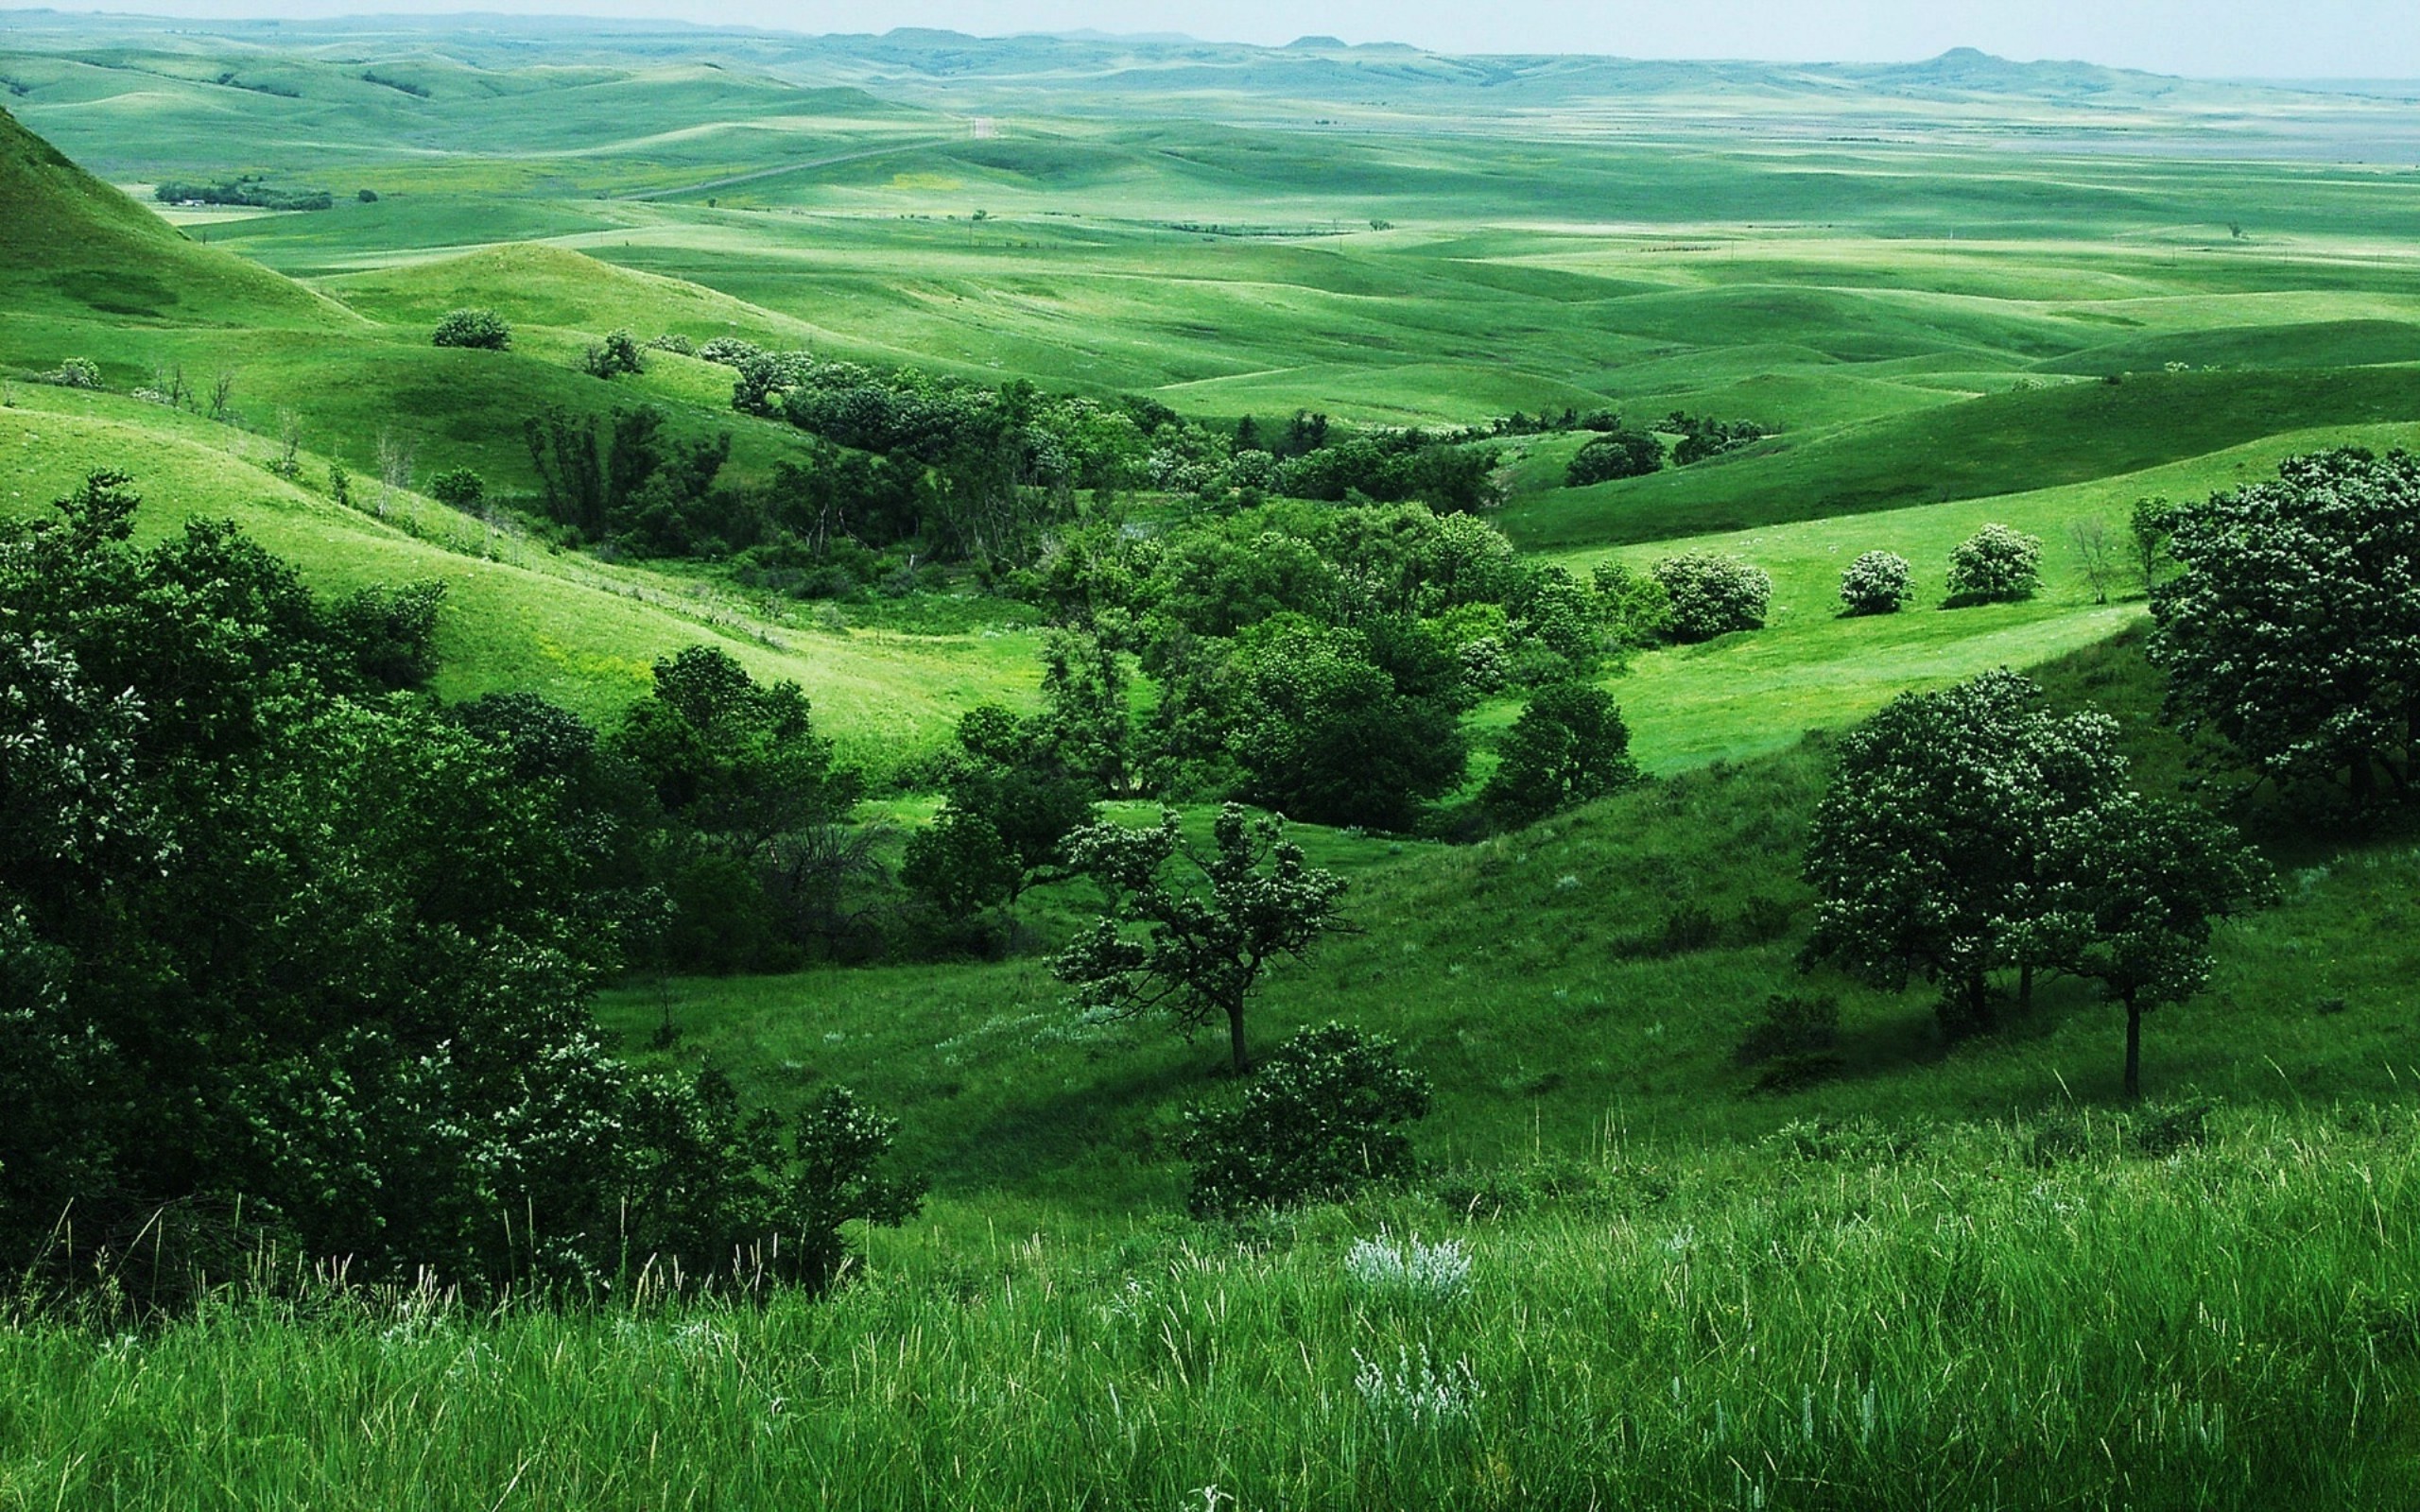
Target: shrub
pixel 460 487
pixel 1620 455
pixel 616 354
pixel 1713 594
pixel 1791 1025
pixel 1323 1117
pixel 73 373
pixel 674 341
pixel 483 330
pixel 730 351
pixel 1995 565
pixel 1877 583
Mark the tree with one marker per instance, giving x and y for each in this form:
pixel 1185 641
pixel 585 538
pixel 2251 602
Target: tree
pixel 1087 725
pixel 2293 627
pixel 1995 565
pixel 459 487
pixel 2094 557
pixel 391 631
pixel 960 864
pixel 1713 594
pixel 483 330
pixel 1619 454
pixel 1323 1118
pixel 1569 746
pixel 1203 949
pixel 616 354
pixel 1879 582
pixel 2132 889
pixel 1926 852
pixel 2147 529
pixel 1012 802
pixel 285 960
pixel 740 761
pixel 1323 729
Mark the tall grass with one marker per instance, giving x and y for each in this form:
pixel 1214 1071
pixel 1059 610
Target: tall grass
pixel 1989 1317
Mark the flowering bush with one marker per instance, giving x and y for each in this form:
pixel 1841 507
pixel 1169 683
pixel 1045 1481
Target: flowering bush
pixel 1877 583
pixel 1996 565
pixel 1713 594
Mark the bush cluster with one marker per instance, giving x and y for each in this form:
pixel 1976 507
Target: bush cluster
pixel 481 330
pixel 1712 595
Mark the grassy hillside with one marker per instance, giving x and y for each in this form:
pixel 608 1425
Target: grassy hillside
pixel 2002 443
pixel 70 245
pixel 517 615
pixel 1531 977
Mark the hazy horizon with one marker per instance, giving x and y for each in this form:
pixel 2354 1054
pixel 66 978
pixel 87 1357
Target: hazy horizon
pixel 2329 38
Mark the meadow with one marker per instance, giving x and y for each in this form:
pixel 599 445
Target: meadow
pixel 1955 295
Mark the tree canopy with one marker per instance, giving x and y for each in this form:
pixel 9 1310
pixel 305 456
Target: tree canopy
pixel 2292 628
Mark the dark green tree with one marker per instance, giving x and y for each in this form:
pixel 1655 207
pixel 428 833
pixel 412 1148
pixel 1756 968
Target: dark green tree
pixel 1619 454
pixel 1569 746
pixel 1194 949
pixel 287 960
pixel 483 330
pixel 739 761
pixel 1324 731
pixel 2292 628
pixel 1926 853
pixel 2131 891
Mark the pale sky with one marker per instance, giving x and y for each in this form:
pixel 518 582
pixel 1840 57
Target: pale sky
pixel 2270 39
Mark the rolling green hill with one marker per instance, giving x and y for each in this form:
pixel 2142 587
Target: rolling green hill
pixel 71 245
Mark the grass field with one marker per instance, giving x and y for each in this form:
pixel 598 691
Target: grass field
pixel 1961 1318
pixel 1958 294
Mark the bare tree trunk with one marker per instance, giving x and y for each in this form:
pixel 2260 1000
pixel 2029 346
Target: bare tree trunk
pixel 1236 1039
pixel 2133 1051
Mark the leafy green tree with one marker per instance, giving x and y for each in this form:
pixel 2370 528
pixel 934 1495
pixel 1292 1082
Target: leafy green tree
pixel 483 330
pixel 1569 746
pixel 1619 455
pixel 230 1022
pixel 391 631
pixel 1086 726
pixel 2293 627
pixel 1323 731
pixel 960 864
pixel 2148 526
pixel 1455 480
pixel 1011 805
pixel 1713 594
pixel 740 761
pixel 2132 890
pixel 1926 853
pixel 1197 950
pixel 1996 565
pixel 1879 582
pixel 1323 1118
